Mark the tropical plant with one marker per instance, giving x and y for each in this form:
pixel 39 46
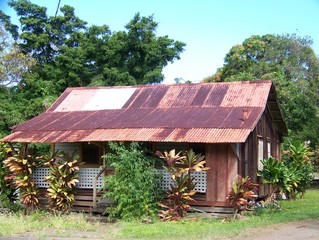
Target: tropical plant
pixel 242 192
pixel 274 172
pixel 176 203
pixel 297 160
pixel 292 175
pixel 62 180
pixel 134 185
pixel 7 194
pixel 21 167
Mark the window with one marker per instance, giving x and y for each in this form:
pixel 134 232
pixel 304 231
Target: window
pixel 260 153
pixel 269 149
pixel 91 154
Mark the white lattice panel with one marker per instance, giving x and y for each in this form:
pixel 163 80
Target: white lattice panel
pixel 200 180
pixel 39 174
pixel 86 177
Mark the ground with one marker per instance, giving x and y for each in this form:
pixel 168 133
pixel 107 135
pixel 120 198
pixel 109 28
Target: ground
pixel 306 229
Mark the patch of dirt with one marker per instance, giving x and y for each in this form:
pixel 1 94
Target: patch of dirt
pixel 306 229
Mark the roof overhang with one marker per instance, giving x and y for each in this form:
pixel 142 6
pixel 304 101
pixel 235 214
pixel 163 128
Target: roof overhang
pixel 198 135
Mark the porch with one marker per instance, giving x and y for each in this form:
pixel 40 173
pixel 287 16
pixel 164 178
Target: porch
pixel 90 184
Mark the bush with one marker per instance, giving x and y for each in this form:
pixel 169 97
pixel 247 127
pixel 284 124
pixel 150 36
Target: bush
pixel 291 176
pixel 21 167
pixel 242 192
pixel 176 203
pixel 7 193
pixel 134 185
pixel 62 180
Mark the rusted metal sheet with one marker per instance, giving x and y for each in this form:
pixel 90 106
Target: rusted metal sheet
pixel 145 118
pixel 201 135
pixel 219 112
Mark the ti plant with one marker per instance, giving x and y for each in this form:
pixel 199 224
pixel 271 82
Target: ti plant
pixel 7 193
pixel 291 176
pixel 21 167
pixel 240 195
pixel 176 203
pixel 62 180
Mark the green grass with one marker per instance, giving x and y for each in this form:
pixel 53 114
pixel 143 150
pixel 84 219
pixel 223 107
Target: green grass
pixel 307 208
pixel 19 224
pixel 42 224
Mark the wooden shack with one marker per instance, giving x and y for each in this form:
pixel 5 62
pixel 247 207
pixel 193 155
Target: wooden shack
pixel 234 124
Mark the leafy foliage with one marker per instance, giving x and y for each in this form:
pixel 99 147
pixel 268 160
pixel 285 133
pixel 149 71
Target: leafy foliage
pixel 293 66
pixel 134 185
pixel 7 194
pixel 242 192
pixel 21 167
pixel 13 63
pixel 62 180
pixel 176 204
pixel 63 51
pixel 297 159
pixel 291 176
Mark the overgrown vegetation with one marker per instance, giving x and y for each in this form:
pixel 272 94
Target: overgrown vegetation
pixel 193 226
pixel 21 167
pixel 7 193
pixel 176 203
pixel 48 56
pixel 201 227
pixel 134 185
pixel 62 180
pixel 243 191
pixel 44 225
pixel 292 175
pixel 293 66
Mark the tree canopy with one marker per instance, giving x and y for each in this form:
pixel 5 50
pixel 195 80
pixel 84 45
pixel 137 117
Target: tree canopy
pixel 66 52
pixel 293 66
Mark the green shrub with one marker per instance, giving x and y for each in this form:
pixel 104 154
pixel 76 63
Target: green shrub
pixel 176 203
pixel 7 193
pixel 21 167
pixel 242 192
pixel 134 185
pixel 292 175
pixel 297 160
pixel 62 180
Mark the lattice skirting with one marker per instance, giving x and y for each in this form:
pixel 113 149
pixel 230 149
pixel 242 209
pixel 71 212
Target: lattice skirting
pixel 86 177
pixel 200 180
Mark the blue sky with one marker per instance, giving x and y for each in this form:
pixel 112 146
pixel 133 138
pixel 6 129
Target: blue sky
pixel 208 27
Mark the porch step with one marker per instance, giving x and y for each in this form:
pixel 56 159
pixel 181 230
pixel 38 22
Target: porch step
pixel 217 212
pixel 84 200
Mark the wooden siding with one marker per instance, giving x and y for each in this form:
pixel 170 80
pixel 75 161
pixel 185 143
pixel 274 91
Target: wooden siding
pixel 267 131
pixel 222 161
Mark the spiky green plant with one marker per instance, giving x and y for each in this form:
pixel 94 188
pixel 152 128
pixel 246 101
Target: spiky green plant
pixel 21 167
pixel 62 180
pixel 176 203
pixel 242 192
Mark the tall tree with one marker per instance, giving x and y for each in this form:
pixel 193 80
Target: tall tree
pixel 291 63
pixel 69 53
pixel 13 63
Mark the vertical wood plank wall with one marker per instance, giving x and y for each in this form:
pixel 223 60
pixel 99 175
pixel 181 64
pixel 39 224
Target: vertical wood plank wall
pixel 222 162
pixel 265 130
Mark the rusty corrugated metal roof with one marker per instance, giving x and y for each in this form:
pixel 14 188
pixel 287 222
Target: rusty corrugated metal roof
pixel 214 112
pixel 197 135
